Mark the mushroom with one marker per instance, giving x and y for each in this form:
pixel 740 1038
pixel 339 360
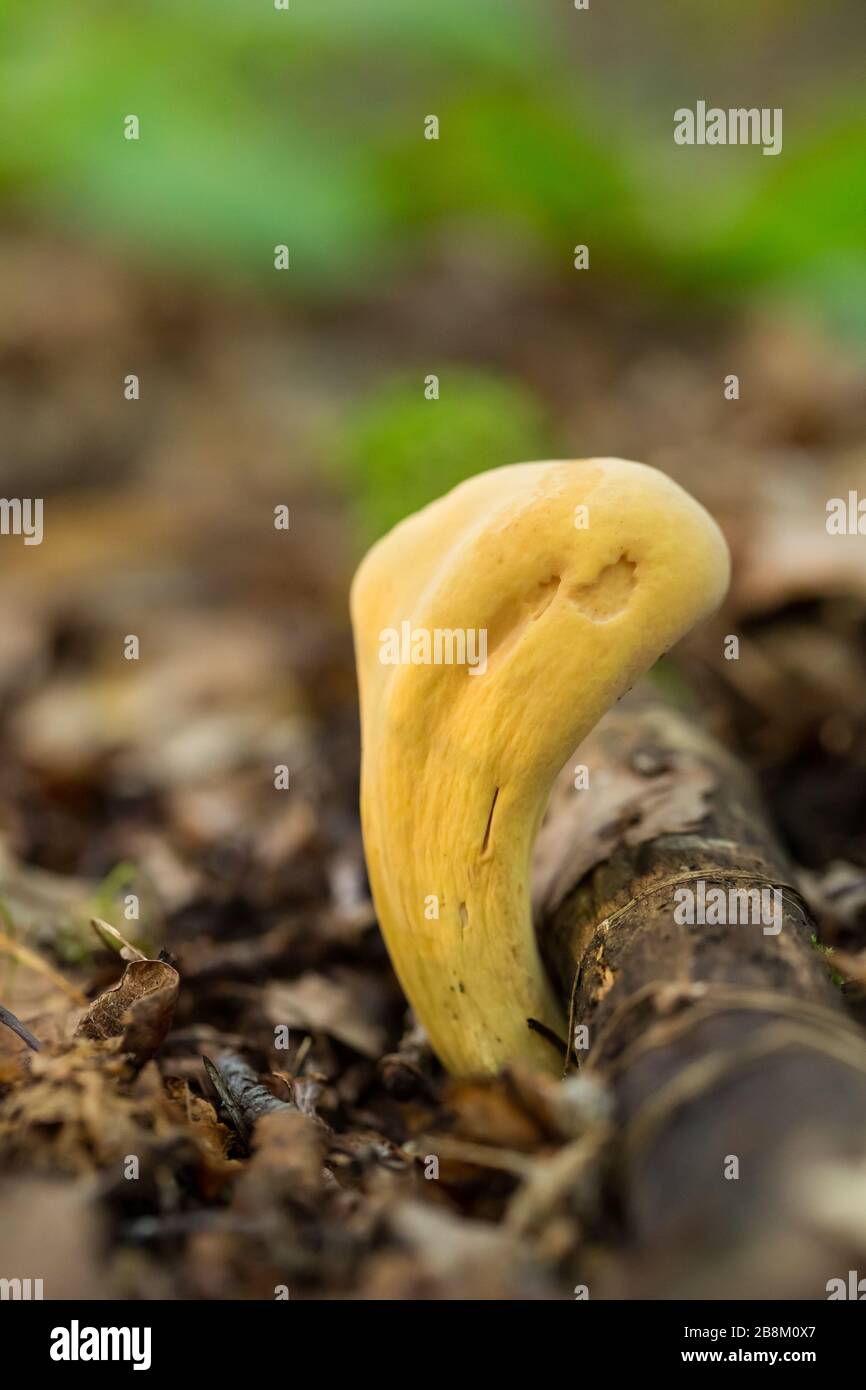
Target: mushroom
pixel 558 584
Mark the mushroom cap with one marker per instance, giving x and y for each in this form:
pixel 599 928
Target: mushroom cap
pixel 457 765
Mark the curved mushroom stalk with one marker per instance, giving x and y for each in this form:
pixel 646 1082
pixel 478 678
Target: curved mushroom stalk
pixel 492 631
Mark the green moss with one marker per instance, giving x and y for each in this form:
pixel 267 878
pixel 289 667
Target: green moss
pixel 827 951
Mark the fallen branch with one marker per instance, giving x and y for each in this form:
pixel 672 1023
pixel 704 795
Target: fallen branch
pixel 736 1072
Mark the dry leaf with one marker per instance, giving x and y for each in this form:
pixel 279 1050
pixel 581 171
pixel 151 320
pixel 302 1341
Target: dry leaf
pixel 349 1007
pixel 139 1009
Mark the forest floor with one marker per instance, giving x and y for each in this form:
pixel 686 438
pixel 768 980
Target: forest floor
pixel 254 1110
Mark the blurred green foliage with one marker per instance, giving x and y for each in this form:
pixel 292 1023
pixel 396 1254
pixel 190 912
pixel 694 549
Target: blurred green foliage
pixel 305 127
pixel 402 450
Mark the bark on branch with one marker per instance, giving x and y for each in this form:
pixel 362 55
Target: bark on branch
pixel 727 1045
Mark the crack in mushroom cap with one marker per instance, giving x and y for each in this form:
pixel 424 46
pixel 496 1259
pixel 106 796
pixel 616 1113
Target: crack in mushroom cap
pixel 457 765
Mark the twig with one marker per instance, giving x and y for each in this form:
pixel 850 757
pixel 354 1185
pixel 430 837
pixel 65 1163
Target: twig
pixel 18 1027
pixel 243 1095
pixel 25 956
pixel 478 1155
pixel 227 1102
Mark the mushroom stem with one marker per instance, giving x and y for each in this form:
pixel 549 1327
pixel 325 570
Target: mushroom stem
pixel 492 631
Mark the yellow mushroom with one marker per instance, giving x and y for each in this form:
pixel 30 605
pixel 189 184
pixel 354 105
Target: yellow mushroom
pixel 492 631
